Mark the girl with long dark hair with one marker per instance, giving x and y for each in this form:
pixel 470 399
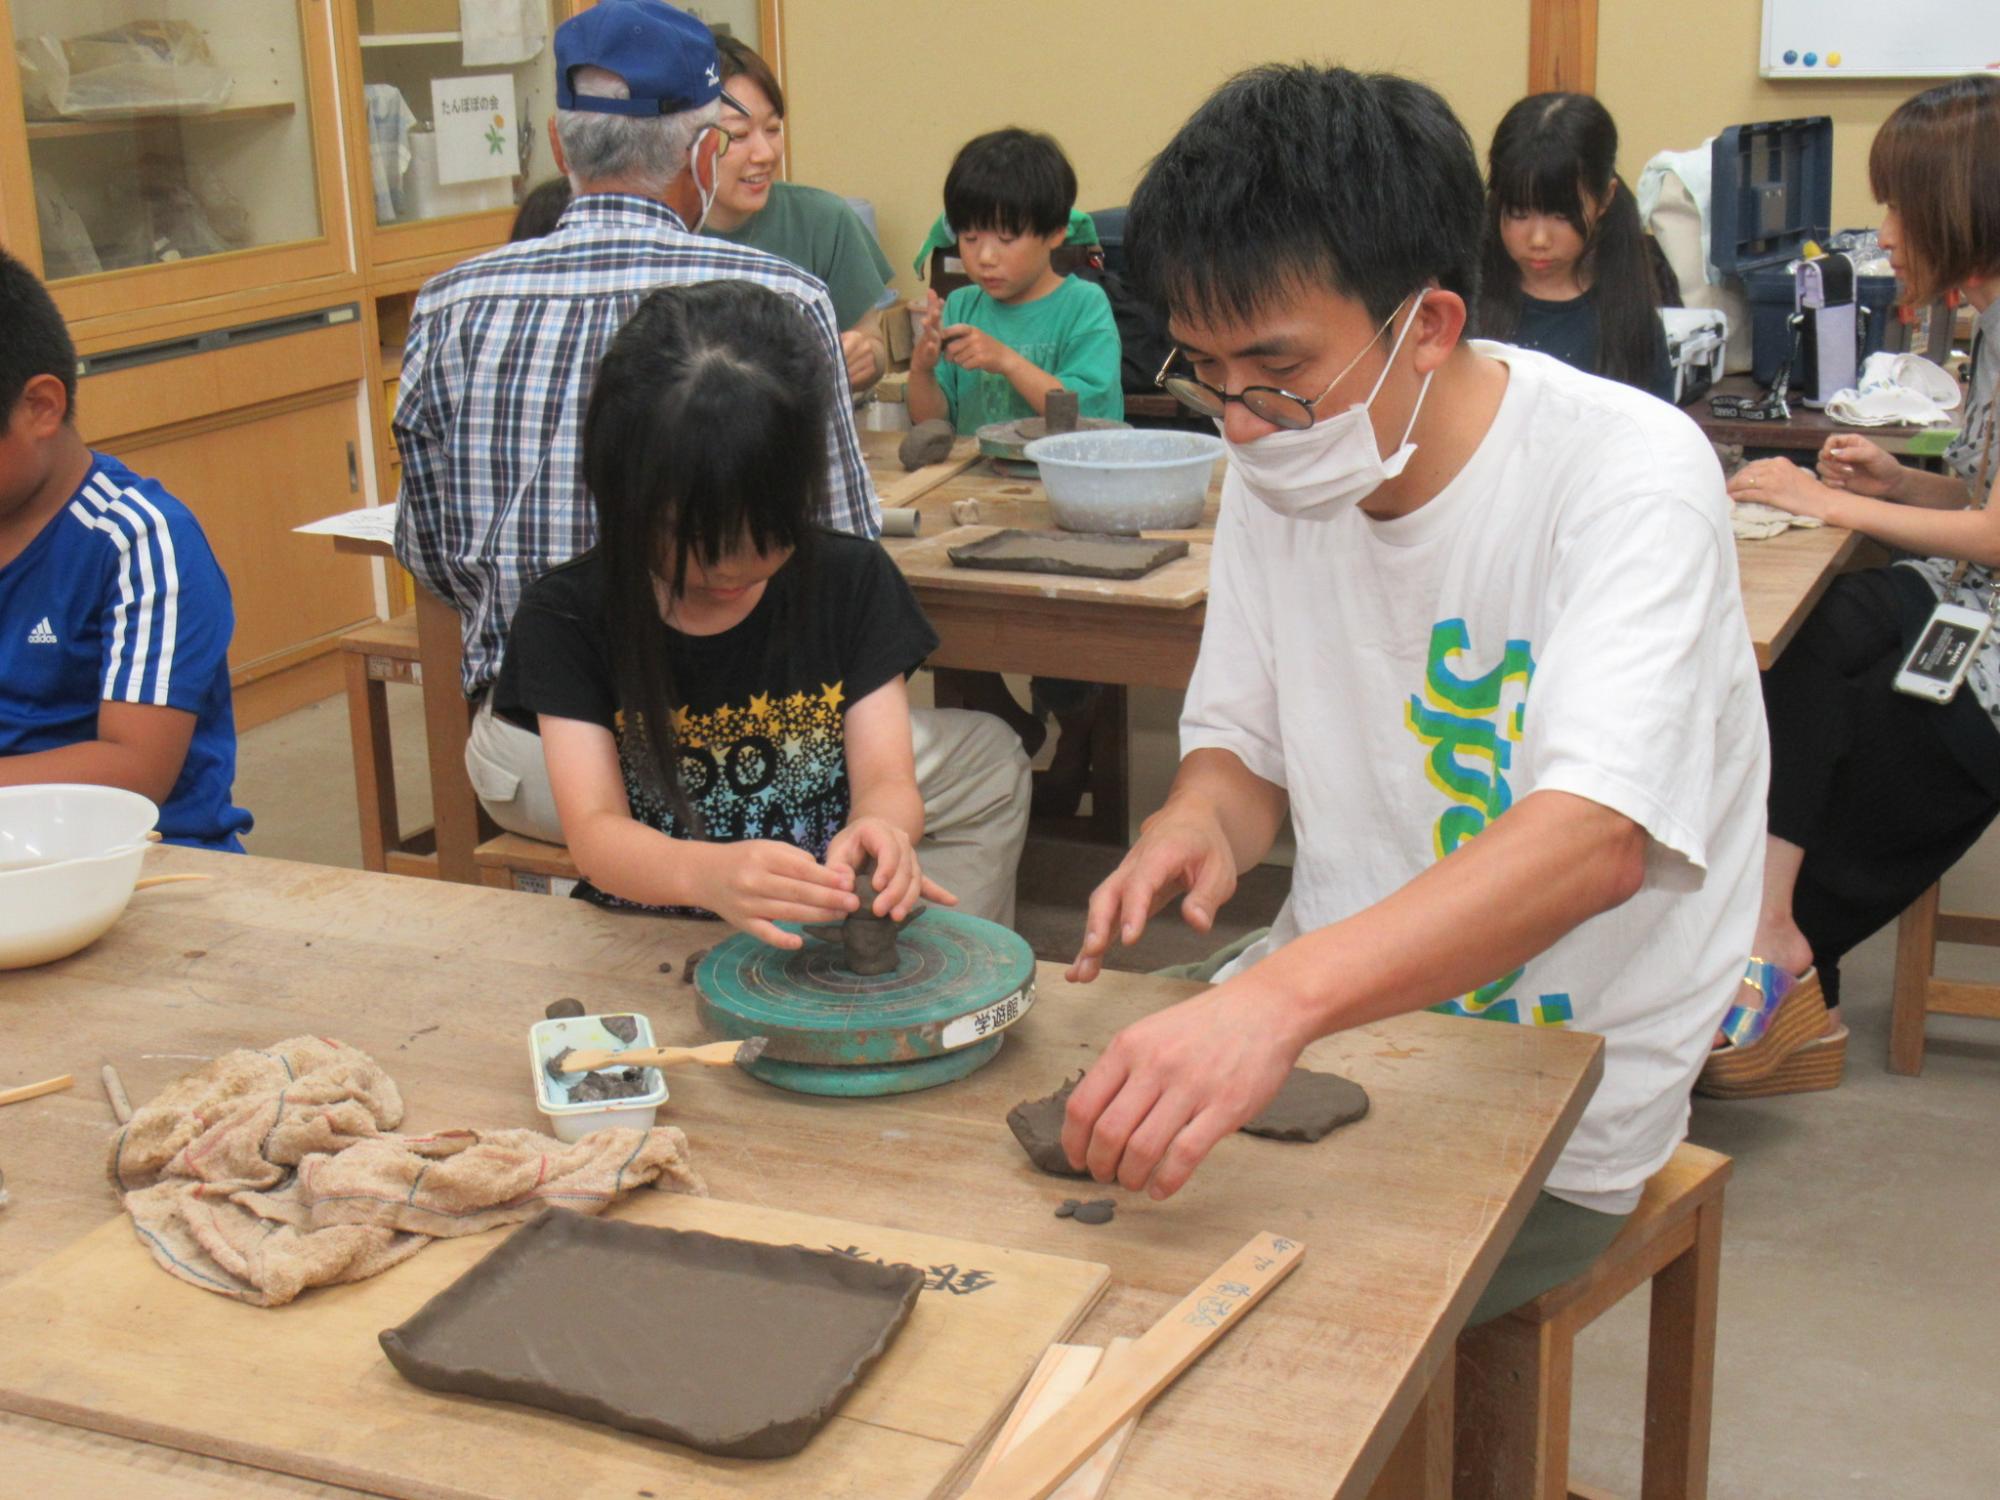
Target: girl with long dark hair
pixel 1566 268
pixel 719 683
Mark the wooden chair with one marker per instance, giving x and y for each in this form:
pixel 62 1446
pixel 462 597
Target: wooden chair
pixel 375 656
pixel 510 862
pixel 1512 1382
pixel 1919 992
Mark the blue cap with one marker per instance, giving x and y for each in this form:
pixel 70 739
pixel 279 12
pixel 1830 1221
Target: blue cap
pixel 666 57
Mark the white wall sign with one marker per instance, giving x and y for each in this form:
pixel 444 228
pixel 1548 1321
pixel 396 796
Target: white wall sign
pixel 475 127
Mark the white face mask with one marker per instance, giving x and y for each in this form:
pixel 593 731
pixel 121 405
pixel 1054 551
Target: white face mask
pixel 1316 472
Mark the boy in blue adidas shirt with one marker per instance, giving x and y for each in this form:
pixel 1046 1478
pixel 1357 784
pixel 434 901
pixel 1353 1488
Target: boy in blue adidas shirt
pixel 114 616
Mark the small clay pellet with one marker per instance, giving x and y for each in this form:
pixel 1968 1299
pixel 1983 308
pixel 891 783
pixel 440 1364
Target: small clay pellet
pixel 668 967
pixel 1068 1208
pixel 1097 1211
pixel 564 1009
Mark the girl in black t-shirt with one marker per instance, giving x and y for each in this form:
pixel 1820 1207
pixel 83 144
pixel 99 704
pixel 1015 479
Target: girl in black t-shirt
pixel 719 683
pixel 1567 268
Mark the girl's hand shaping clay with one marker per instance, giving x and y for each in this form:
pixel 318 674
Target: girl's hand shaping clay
pixel 761 882
pixel 899 883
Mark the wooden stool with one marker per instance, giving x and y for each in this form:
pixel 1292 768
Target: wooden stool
pixel 1919 992
pixel 377 655
pixel 512 863
pixel 1512 1387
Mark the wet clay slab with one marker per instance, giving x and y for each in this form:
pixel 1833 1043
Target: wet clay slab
pixel 1308 1105
pixel 1076 553
pixel 735 1348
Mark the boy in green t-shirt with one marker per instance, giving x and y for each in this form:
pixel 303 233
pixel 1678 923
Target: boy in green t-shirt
pixel 992 351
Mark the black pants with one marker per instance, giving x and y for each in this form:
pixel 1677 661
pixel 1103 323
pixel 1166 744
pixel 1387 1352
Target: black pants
pixel 1883 791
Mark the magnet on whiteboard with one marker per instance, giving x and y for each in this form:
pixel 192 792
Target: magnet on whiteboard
pixel 1833 59
pixel 1791 59
pixel 1811 58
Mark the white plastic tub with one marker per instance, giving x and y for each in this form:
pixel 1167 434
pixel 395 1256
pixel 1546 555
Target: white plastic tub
pixel 1126 481
pixel 572 1122
pixel 69 856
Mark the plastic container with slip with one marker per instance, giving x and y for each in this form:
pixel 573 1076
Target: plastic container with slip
pixel 572 1122
pixel 1771 195
pixel 1125 481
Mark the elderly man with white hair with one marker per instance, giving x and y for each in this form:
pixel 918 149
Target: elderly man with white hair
pixel 497 372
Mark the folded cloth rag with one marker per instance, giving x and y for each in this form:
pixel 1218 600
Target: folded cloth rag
pixel 1754 521
pixel 267 1172
pixel 1896 389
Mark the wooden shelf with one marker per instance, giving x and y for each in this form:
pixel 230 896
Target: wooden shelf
pixel 410 39
pixel 43 130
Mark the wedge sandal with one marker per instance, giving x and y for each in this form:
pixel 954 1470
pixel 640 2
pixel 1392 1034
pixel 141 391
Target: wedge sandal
pixel 1819 1064
pixel 1774 1015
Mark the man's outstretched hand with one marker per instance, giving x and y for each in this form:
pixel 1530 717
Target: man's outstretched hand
pixel 1169 1087
pixel 1183 848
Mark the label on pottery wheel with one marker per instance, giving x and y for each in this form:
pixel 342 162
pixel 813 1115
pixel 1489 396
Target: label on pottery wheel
pixel 983 1022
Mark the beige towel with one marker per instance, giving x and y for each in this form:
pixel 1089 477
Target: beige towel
pixel 1754 521
pixel 271 1171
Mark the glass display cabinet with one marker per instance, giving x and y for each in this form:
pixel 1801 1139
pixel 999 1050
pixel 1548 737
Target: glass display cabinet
pixel 169 150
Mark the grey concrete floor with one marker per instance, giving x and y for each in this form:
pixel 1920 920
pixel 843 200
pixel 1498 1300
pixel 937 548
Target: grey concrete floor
pixel 1859 1341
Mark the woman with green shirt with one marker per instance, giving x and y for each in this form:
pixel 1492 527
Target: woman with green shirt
pixel 810 227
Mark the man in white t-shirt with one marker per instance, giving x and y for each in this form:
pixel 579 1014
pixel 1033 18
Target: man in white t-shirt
pixel 1499 679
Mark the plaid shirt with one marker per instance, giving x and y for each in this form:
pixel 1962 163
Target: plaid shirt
pixel 496 377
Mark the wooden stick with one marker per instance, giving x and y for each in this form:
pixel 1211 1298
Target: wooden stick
pixel 114 1090
pixel 36 1090
pixel 1133 1377
pixel 152 880
pixel 713 1054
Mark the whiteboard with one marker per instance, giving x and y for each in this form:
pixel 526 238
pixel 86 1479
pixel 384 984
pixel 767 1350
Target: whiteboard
pixel 1830 39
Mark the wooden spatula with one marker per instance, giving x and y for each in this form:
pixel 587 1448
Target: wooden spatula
pixel 710 1054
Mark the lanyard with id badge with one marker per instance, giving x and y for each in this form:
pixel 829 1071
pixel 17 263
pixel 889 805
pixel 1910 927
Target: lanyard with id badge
pixel 1950 640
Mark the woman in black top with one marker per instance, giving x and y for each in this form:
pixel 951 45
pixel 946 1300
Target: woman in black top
pixel 719 684
pixel 1566 267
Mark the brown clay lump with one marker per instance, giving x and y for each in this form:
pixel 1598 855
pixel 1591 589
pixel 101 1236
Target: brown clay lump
pixel 1037 1125
pixel 926 443
pixel 608 1083
pixel 1060 410
pixel 1309 1105
pixel 693 961
pixel 563 1010
pixel 625 1028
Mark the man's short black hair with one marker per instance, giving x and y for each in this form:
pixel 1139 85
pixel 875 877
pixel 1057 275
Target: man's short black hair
pixel 1291 177
pixel 1014 181
pixel 34 340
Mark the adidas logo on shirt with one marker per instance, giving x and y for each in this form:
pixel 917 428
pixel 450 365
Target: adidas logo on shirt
pixel 43 634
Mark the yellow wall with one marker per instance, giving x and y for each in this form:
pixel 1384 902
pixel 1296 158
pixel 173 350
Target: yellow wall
pixel 882 95
pixel 1674 105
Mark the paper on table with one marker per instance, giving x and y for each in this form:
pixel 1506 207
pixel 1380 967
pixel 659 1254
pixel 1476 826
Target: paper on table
pixel 372 523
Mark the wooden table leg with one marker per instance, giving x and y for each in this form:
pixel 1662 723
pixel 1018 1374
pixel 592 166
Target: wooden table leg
pixel 1512 1406
pixel 1916 957
pixel 447 720
pixel 374 764
pixel 1680 1365
pixel 1420 1466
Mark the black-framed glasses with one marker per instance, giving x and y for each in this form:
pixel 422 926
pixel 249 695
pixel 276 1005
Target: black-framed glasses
pixel 1268 403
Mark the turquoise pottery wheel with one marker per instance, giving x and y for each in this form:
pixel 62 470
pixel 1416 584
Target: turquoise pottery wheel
pixel 960 981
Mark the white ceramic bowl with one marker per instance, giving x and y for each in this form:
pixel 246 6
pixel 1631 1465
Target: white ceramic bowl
pixel 68 858
pixel 1125 481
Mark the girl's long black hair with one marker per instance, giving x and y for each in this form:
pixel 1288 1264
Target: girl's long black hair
pixel 1548 152
pixel 706 430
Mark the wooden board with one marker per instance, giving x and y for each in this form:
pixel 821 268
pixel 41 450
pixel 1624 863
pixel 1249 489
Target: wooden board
pixel 100 1337
pixel 1178 585
pixel 895 485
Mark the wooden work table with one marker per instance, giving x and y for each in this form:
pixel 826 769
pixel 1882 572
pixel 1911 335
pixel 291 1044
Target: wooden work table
pixel 1404 1215
pixel 1800 434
